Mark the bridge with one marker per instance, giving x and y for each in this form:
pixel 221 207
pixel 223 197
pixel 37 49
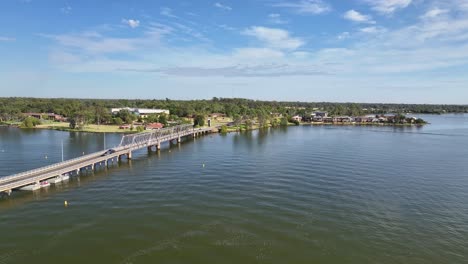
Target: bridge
pixel 128 144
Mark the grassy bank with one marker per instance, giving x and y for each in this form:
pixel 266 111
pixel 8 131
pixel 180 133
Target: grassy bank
pixel 62 126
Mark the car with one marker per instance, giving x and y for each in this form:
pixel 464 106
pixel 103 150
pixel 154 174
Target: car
pixel 108 152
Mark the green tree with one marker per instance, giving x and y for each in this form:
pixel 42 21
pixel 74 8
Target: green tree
pixel 163 119
pixel 199 120
pixel 284 121
pixel 224 129
pixel 140 128
pixel 30 122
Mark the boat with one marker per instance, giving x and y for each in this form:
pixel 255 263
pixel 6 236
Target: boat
pixel 44 184
pixel 31 187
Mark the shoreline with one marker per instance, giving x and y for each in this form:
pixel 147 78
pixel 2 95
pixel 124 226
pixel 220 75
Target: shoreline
pixel 230 129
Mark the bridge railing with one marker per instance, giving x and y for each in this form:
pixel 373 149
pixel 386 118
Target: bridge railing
pixel 154 135
pixel 127 141
pixel 48 167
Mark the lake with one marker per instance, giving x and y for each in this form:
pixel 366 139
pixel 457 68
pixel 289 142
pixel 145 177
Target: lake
pixel 307 194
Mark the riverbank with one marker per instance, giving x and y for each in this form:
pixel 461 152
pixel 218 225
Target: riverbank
pixel 230 129
pixel 63 126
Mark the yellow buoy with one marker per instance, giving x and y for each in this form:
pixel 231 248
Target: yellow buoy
pixel 65 203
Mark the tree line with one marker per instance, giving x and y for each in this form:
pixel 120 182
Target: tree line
pixel 97 110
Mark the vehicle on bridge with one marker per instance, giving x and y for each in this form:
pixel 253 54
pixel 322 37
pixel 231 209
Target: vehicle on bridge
pixel 108 152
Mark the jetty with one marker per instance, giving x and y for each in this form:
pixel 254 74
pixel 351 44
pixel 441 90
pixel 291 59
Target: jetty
pixel 128 144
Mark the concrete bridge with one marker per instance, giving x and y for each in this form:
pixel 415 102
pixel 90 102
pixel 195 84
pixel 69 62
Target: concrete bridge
pixel 129 143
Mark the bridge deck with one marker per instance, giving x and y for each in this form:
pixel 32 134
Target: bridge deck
pixel 128 144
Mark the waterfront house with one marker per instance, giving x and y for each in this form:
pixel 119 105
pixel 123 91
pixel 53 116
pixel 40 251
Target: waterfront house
pixel 320 114
pixel 154 126
pixel 297 118
pixel 47 116
pixel 141 112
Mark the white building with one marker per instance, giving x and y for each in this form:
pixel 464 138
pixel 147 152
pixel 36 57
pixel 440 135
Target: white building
pixel 143 112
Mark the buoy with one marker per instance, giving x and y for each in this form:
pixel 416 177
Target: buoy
pixel 45 157
pixel 65 203
pixel 203 165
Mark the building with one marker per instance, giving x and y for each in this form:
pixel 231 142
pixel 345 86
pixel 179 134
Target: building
pixel 154 126
pixel 297 118
pixel 142 112
pixel 320 114
pixel 47 116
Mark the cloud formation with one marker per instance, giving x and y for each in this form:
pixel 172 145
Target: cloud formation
pixel 313 7
pixel 355 16
pixel 223 7
pixel 131 22
pixel 6 39
pixel 274 37
pixel 388 6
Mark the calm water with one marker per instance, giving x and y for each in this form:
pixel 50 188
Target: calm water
pixel 295 195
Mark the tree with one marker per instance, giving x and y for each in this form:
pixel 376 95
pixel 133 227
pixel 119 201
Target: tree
pixel 199 120
pixel 284 121
pixel 30 122
pixel 118 121
pixel 224 129
pixel 163 119
pixel 140 128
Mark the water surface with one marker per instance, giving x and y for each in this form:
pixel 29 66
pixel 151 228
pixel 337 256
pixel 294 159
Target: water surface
pixel 309 194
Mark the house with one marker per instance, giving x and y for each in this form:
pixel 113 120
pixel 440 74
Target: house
pixel 124 127
pixel 142 112
pixel 48 116
pixel 216 115
pixel 320 114
pixel 297 118
pixel 154 126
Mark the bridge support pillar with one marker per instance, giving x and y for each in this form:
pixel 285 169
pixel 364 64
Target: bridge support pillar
pixel 178 140
pixel 158 146
pixel 129 155
pixel 8 192
pixel 92 166
pixel 150 148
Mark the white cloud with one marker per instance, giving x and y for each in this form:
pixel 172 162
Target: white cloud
pixel 434 13
pixel 258 53
pixel 274 37
pixel 166 11
pixel 66 9
pixel 223 7
pixel 314 7
pixel 131 22
pixel 372 30
pixel 344 35
pixel 388 6
pixel 355 16
pixel 6 39
pixel 276 19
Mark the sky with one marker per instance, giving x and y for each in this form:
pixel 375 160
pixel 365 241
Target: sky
pixel 389 51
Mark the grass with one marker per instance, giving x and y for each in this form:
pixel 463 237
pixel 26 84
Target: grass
pixel 63 126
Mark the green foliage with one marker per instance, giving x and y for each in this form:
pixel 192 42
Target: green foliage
pixel 140 128
pixel 131 127
pixel 30 122
pixel 224 129
pixel 199 120
pixel 284 121
pixel 163 119
pixel 118 121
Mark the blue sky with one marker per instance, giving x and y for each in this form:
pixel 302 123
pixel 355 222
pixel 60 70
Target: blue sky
pixel 402 51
